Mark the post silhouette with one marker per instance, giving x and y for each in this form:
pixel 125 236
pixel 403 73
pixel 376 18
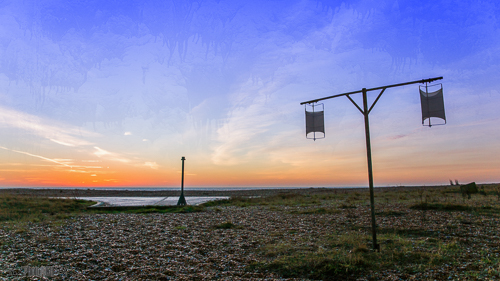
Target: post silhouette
pixel 182 200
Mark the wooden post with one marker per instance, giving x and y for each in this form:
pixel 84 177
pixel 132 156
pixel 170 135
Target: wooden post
pixel 370 170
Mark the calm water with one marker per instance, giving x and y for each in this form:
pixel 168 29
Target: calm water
pixel 150 201
pixel 162 201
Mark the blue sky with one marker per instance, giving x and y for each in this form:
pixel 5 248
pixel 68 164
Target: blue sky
pixel 96 93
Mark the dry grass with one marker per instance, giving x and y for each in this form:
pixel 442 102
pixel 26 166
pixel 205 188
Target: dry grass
pixel 21 208
pixel 26 208
pixel 420 231
pixel 425 234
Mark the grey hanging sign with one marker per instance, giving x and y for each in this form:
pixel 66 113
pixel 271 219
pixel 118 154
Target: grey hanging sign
pixel 432 104
pixel 315 120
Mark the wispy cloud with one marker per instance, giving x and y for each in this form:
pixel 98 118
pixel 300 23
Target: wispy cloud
pixel 38 156
pixel 237 136
pixel 65 163
pixel 251 116
pixel 62 143
pixel 61 134
pixel 101 153
pixel 152 165
pixel 65 135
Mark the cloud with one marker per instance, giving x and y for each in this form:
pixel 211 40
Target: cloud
pixel 397 137
pixel 151 165
pixel 101 153
pixel 60 134
pixel 86 167
pixel 237 136
pixel 38 156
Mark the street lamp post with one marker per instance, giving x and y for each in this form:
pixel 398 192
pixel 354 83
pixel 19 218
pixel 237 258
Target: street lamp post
pixel 182 200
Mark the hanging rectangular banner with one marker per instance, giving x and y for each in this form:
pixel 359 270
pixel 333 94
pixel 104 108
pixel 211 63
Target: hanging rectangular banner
pixel 432 104
pixel 315 120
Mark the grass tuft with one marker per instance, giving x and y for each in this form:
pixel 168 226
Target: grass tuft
pixel 348 256
pixel 440 207
pixel 390 213
pixel 280 199
pixel 316 211
pixel 148 209
pixel 23 208
pixel 18 208
pixel 226 225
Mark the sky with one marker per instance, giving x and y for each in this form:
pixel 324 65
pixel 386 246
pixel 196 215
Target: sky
pixel 114 93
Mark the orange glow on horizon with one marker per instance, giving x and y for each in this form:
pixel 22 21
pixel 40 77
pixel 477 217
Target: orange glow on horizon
pixel 331 174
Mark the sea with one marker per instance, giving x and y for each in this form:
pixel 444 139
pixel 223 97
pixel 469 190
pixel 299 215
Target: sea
pixel 150 201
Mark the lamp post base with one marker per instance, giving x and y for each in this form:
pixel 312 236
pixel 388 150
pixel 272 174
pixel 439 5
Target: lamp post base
pixel 182 201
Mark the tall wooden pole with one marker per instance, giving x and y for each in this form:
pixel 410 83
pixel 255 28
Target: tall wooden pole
pixel 370 170
pixel 182 199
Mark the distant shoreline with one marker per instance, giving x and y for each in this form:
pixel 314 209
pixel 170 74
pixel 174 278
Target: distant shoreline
pixel 243 192
pixel 178 188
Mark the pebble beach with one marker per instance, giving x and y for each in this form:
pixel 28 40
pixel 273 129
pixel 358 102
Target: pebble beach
pixel 194 246
pixel 144 247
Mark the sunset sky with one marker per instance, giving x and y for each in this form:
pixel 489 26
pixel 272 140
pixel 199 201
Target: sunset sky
pixel 114 93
